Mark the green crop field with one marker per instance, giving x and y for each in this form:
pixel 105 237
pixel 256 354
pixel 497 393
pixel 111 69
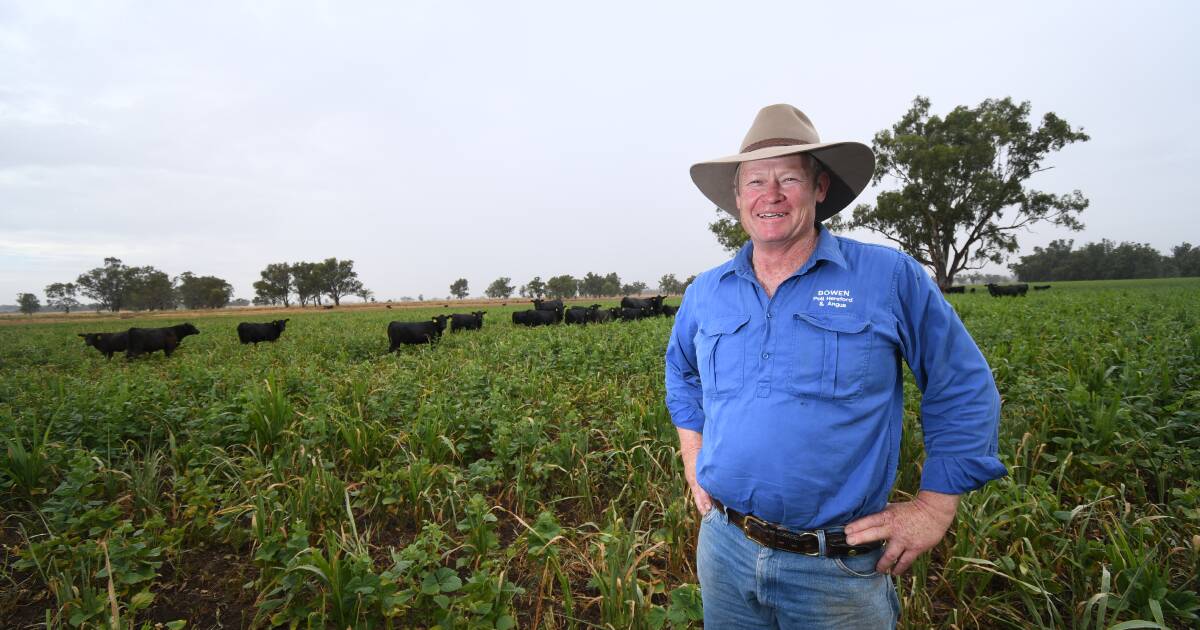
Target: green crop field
pixel 515 477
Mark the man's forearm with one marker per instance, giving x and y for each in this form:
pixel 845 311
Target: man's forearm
pixel 689 449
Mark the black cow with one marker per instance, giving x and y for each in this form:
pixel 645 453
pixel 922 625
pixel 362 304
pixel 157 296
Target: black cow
pixel 654 304
pixel 249 332
pixel 466 321
pixel 582 314
pixel 147 340
pixel 401 333
pixel 536 317
pixel 955 290
pixel 602 315
pixel 107 343
pixel 628 313
pixel 669 310
pixel 1011 290
pixel 549 305
pixel 1040 287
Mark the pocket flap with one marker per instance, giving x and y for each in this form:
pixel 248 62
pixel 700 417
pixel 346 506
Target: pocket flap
pixel 835 323
pixel 724 325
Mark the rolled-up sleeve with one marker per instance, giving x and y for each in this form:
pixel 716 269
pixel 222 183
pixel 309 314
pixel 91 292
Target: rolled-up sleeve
pixel 684 393
pixel 960 406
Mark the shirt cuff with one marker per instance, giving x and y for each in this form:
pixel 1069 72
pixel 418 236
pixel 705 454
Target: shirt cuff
pixel 690 419
pixel 956 475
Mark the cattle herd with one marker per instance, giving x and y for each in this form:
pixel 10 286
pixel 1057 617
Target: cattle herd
pixel 137 341
pixel 1001 290
pixel 547 312
pixel 1013 290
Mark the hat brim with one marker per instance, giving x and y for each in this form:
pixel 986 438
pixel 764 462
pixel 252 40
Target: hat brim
pixel 849 164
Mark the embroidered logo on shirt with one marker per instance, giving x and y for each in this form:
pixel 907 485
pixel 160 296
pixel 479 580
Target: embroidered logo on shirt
pixel 837 298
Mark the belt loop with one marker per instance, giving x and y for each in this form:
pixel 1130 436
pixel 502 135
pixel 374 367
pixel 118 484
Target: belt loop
pixel 821 542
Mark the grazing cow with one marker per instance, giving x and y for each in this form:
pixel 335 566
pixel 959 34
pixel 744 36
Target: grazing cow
pixel 401 333
pixel 389 306
pixel 1040 287
pixel 581 314
pixel 955 290
pixel 249 332
pixel 669 310
pixel 654 304
pixel 328 307
pixel 972 289
pixel 148 340
pixel 107 343
pixel 1011 290
pixel 536 317
pixel 601 315
pixel 466 321
pixel 628 313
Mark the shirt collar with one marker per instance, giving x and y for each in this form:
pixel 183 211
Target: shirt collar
pixel 828 248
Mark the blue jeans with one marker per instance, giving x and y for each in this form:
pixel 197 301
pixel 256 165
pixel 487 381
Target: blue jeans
pixel 746 585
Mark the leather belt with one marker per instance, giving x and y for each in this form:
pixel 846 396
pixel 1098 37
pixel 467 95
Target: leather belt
pixel 805 542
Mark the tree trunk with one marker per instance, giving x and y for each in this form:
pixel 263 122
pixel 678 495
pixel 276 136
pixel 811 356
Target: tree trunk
pixel 944 281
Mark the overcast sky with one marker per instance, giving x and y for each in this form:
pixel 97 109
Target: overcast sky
pixel 429 141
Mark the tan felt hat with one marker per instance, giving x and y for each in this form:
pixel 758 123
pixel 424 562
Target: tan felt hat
pixel 783 130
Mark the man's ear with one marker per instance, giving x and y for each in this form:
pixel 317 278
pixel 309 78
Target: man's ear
pixel 823 183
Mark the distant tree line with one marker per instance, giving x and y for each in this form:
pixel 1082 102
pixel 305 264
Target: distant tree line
pixel 568 286
pixel 1105 260
pixel 116 286
pixel 308 282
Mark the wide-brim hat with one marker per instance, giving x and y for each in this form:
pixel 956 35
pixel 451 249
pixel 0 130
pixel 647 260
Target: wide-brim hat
pixel 780 130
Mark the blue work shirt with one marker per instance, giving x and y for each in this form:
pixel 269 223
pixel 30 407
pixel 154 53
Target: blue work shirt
pixel 800 396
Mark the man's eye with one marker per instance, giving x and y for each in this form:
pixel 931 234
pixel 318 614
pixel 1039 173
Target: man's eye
pixel 754 182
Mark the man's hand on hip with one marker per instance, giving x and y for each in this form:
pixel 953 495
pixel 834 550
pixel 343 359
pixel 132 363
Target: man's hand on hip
pixel 910 528
pixel 703 501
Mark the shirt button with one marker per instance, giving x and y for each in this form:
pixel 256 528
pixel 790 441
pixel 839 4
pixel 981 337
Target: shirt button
pixel 769 316
pixel 766 355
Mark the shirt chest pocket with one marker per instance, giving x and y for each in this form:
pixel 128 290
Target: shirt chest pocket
pixel 830 355
pixel 721 353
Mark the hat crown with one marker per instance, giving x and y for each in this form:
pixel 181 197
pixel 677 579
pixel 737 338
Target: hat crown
pixel 779 125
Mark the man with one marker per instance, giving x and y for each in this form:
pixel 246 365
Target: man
pixel 784 382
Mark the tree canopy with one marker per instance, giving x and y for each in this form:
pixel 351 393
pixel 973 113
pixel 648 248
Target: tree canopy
pixel 306 278
pixel 1106 260
pixel 634 288
pixel 669 285
pixel 106 285
pixel 500 288
pixel 564 286
pixel 962 180
pixel 338 279
pixel 459 288
pixel 535 288
pixel 28 303
pixel 150 290
pixel 204 291
pixel 728 231
pixel 62 295
pixel 275 285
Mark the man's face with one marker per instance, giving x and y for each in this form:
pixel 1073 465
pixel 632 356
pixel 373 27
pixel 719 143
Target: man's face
pixel 777 199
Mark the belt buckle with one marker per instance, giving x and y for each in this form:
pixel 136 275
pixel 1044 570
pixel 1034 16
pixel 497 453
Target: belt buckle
pixel 751 519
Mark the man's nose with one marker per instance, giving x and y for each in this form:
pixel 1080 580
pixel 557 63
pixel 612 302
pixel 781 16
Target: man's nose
pixel 774 191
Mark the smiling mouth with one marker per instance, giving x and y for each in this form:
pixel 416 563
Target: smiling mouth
pixel 771 215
